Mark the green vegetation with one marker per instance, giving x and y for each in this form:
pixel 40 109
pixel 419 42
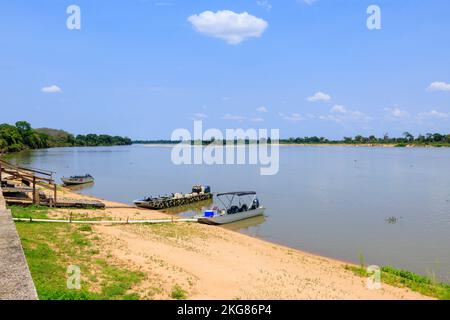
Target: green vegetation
pixel 51 248
pixel 36 212
pixel 430 139
pixel 22 136
pixel 178 293
pixel 407 279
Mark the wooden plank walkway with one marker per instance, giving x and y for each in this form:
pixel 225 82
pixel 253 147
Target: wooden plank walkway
pixel 15 278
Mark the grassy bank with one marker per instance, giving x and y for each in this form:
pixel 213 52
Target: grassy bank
pixel 407 279
pixel 51 248
pixel 167 261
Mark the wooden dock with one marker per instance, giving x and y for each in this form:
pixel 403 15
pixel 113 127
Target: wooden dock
pixel 15 278
pixel 24 186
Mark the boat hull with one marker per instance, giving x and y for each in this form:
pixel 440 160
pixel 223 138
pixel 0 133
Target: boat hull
pixel 73 182
pixel 160 204
pixel 229 218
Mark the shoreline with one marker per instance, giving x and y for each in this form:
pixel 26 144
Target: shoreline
pixel 201 258
pixel 362 145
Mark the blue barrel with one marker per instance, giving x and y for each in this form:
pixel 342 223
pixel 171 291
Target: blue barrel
pixel 209 213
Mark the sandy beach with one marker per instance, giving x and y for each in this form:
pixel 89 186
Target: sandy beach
pixel 217 263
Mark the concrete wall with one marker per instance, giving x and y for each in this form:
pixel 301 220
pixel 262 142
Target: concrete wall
pixel 15 278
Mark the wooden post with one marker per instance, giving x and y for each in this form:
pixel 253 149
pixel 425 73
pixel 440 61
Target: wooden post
pixel 34 190
pixel 1 173
pixel 54 195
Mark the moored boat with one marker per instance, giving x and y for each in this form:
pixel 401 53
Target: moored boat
pixel 77 180
pixel 199 193
pixel 233 211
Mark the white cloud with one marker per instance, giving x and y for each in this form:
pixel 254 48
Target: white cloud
pixel 309 2
pixel 294 117
pixel 51 89
pixel 341 114
pixel 265 4
pixel 439 86
pixel 228 25
pixel 433 114
pixel 233 117
pixel 262 109
pixel 200 115
pixel 397 113
pixel 319 96
pixel 257 120
pixel 338 109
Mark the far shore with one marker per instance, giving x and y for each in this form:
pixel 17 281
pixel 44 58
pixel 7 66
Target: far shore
pixel 362 145
pixel 217 263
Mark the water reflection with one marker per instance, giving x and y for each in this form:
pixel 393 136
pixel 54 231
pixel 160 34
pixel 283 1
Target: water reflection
pixel 79 187
pixel 248 226
pixel 190 210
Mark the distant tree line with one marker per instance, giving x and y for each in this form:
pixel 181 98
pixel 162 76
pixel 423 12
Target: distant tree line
pixel 429 139
pixel 432 139
pixel 22 136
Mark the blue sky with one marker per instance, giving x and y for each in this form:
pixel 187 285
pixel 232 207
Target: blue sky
pixel 143 68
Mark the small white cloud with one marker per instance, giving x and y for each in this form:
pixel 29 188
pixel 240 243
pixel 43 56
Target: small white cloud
pixel 265 4
pixel 439 86
pixel 308 2
pixel 228 25
pixel 397 113
pixel 433 114
pixel 341 114
pixel 200 116
pixel 338 109
pixel 294 117
pixel 257 120
pixel 319 96
pixel 262 109
pixel 51 89
pixel 233 117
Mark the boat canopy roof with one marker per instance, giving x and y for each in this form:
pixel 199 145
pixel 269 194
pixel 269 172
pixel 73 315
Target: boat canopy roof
pixel 238 193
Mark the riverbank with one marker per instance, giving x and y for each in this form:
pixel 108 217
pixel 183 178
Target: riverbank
pixel 185 260
pixel 348 145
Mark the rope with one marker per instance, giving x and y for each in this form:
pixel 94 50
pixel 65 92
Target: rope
pixel 105 222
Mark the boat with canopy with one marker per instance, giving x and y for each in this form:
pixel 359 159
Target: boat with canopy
pixel 237 206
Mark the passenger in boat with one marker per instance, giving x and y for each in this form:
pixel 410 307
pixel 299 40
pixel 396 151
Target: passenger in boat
pixel 243 208
pixel 255 204
pixel 233 210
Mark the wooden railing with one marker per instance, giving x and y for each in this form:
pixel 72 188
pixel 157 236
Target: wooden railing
pixel 31 177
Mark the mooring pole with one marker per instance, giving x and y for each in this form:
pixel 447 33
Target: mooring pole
pixel 34 190
pixel 54 194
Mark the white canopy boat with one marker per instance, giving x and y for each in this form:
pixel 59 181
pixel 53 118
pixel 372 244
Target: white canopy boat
pixel 233 211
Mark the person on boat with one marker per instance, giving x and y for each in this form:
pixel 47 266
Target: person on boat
pixel 255 204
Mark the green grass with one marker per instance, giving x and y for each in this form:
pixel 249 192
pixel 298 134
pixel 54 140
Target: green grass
pixel 51 248
pixel 34 211
pixel 178 293
pixel 407 279
pixel 42 212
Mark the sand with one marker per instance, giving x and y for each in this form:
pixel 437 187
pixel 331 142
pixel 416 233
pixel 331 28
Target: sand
pixel 211 262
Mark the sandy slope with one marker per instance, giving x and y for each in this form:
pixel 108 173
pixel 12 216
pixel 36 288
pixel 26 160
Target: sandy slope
pixel 216 263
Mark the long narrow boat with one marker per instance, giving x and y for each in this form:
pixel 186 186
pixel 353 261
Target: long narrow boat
pixel 199 193
pixel 77 180
pixel 233 211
